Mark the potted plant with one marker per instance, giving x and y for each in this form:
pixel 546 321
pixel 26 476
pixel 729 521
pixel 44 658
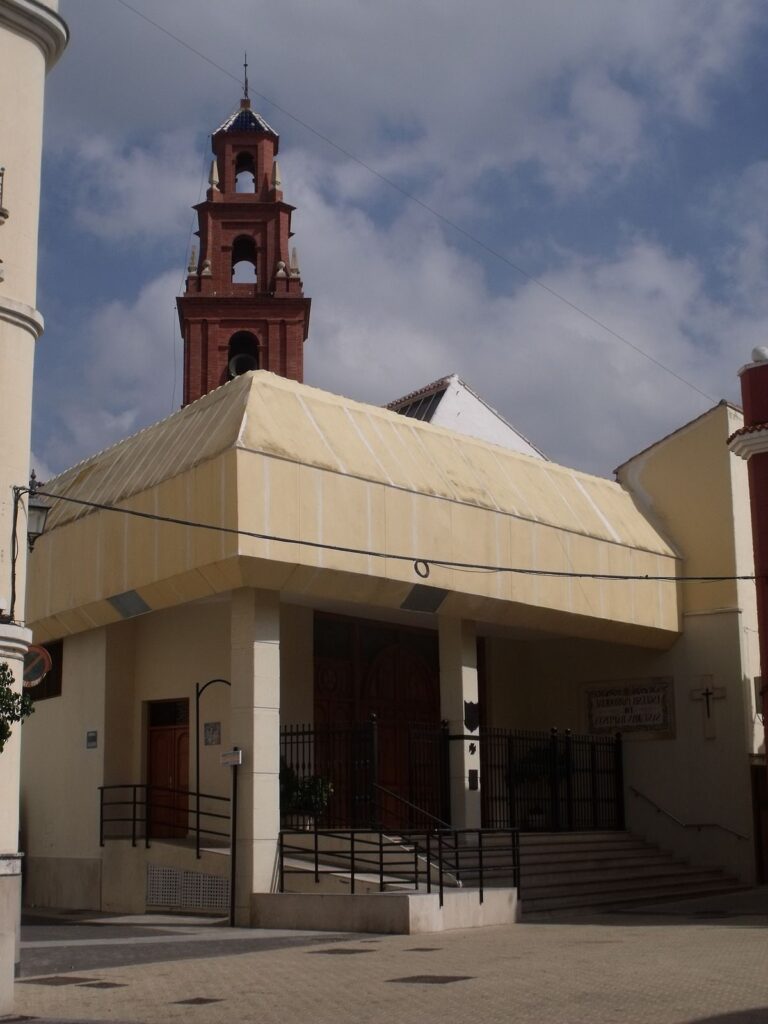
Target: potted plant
pixel 305 796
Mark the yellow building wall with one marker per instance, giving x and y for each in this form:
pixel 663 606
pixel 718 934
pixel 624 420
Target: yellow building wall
pixel 60 780
pixel 684 484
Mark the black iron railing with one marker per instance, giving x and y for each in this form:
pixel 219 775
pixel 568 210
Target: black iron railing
pixel 141 813
pixel 551 782
pixel 424 860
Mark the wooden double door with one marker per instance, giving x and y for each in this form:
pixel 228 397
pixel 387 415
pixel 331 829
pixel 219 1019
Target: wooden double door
pixel 366 668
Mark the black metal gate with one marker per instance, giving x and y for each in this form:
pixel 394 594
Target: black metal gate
pixel 330 777
pixel 551 782
pixel 327 776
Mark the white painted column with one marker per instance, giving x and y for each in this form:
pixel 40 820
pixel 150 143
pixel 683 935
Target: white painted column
pixel 14 641
pixel 255 729
pixel 458 683
pixel 32 37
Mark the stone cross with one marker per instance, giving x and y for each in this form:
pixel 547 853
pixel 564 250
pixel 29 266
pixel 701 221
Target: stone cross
pixel 707 694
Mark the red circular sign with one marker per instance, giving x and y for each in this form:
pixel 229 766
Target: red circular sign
pixel 37 664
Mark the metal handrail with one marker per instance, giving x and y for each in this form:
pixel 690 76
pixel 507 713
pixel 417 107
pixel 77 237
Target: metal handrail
pixel 698 825
pixel 414 807
pixel 139 797
pixel 442 849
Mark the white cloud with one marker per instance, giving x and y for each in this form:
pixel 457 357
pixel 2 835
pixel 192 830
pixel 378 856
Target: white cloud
pixel 489 83
pixel 127 373
pixel 137 194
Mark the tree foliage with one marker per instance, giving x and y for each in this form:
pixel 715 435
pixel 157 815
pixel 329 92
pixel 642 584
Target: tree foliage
pixel 14 707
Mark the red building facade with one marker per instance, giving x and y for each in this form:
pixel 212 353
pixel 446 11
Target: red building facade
pixel 244 306
pixel 751 442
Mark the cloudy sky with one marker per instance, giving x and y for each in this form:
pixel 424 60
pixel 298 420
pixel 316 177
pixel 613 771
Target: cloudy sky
pixel 610 153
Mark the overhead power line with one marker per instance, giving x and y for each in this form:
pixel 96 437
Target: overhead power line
pixel 429 209
pixel 421 565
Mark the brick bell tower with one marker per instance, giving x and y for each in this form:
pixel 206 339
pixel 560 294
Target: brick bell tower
pixel 244 306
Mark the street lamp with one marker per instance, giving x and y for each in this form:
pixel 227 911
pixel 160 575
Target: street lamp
pixel 37 510
pixel 37 513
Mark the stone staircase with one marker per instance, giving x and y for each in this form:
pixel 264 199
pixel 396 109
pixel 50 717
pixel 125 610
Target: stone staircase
pixel 558 871
pixel 594 869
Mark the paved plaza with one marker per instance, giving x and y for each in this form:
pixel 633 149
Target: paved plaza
pixel 698 961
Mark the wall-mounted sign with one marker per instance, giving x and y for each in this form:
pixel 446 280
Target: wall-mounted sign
pixel 212 734
pixel 632 705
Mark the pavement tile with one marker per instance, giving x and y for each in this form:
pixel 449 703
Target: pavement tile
pixel 665 967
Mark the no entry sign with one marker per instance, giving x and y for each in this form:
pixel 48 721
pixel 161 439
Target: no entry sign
pixel 37 664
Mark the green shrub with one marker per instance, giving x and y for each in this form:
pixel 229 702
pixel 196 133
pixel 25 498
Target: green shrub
pixel 14 707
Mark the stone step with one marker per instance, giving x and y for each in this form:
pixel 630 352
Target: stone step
pixel 531 849
pixel 626 896
pixel 575 887
pixel 575 838
pixel 577 884
pixel 569 879
pixel 595 858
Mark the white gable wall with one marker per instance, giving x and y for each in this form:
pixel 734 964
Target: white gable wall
pixel 461 410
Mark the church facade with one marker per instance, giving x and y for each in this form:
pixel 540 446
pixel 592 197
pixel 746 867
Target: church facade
pixel 275 561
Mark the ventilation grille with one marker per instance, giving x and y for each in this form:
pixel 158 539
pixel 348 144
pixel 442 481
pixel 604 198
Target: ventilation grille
pixel 174 889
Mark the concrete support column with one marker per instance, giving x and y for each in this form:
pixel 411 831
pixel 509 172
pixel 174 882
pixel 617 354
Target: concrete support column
pixel 14 641
pixel 458 687
pixel 255 729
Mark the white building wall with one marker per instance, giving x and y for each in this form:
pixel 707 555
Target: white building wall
pixel 461 410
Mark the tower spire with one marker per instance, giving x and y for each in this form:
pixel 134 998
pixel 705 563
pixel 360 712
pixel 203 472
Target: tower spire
pixel 245 77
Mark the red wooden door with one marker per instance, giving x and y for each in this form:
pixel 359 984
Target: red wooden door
pixel 402 690
pixel 168 775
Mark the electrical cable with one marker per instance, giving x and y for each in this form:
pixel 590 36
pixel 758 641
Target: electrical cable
pixel 421 565
pixel 431 210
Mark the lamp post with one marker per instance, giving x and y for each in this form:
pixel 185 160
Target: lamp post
pixel 37 514
pixel 199 690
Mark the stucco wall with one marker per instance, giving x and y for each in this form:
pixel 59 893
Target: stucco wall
pixel 60 780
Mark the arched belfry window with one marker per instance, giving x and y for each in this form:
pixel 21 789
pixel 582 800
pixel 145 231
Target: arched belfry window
pixel 245 173
pixel 243 353
pixel 244 260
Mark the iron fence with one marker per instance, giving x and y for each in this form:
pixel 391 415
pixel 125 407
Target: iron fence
pixel 551 782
